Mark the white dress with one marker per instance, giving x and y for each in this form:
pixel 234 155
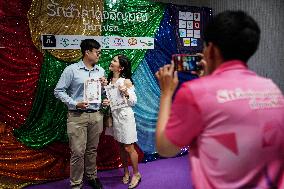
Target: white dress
pixel 124 126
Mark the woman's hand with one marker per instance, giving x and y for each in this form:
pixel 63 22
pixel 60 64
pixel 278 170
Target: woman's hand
pixel 123 90
pixel 106 102
pixel 168 79
pixel 82 105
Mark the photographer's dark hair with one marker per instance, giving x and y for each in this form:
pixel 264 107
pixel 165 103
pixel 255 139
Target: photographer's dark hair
pixel 124 63
pixel 89 44
pixel 235 33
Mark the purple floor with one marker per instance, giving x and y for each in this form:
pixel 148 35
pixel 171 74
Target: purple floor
pixel 161 174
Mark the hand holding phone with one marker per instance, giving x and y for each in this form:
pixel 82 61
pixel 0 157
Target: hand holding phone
pixel 186 62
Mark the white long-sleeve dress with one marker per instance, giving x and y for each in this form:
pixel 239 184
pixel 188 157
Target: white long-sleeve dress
pixel 124 126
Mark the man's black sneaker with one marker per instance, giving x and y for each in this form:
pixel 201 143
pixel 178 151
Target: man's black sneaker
pixel 95 183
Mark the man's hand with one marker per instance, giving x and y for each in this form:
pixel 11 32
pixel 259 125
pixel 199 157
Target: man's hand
pixel 168 79
pixel 82 105
pixel 203 65
pixel 103 81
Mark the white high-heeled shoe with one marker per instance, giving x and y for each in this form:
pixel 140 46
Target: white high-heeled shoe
pixel 126 179
pixel 136 179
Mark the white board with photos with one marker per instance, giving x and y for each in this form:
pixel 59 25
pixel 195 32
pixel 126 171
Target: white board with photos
pixel 189 27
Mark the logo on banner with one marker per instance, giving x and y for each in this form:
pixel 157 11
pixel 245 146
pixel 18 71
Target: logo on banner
pixel 118 41
pixel 105 42
pixel 132 41
pixel 49 41
pixel 147 43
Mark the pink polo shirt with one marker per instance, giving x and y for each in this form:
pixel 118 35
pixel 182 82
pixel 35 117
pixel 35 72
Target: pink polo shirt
pixel 233 123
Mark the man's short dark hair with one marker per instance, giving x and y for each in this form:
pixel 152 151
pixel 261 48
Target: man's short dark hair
pixel 89 44
pixel 235 33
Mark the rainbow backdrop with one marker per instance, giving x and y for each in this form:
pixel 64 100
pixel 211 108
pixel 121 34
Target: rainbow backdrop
pixel 34 146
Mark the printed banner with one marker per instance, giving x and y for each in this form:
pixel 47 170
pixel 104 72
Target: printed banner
pixel 107 42
pixel 64 17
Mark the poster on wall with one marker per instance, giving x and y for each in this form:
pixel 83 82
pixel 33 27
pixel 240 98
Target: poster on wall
pixel 189 23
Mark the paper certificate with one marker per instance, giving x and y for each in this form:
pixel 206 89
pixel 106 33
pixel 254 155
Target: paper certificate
pixel 92 91
pixel 115 97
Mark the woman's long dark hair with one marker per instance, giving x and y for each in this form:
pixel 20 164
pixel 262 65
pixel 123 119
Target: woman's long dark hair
pixel 124 63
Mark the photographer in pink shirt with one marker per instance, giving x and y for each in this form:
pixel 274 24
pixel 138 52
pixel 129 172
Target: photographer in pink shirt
pixel 231 119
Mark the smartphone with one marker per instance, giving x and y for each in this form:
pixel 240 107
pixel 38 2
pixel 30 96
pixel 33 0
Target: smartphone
pixel 186 62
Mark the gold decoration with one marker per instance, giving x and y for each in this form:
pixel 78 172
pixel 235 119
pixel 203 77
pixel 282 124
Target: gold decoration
pixel 21 165
pixel 64 17
pixel 8 183
pixel 2 127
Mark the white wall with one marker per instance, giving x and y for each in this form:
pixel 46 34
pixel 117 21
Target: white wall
pixel 269 59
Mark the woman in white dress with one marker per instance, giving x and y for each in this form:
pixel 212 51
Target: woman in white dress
pixel 124 126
